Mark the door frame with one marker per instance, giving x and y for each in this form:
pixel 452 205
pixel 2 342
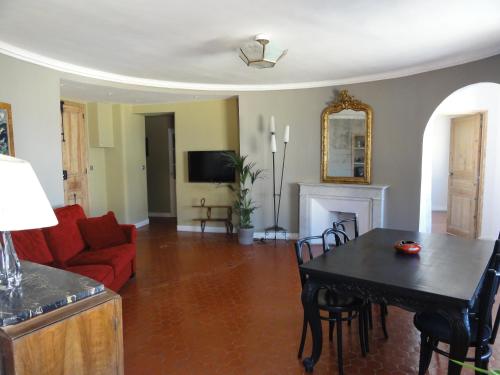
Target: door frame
pixel 482 156
pixel 172 171
pixel 480 190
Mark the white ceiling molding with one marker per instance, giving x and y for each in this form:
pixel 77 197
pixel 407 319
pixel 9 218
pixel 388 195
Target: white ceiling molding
pixel 34 58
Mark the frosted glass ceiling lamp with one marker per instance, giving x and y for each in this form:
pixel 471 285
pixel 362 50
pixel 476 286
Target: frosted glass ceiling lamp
pixel 261 53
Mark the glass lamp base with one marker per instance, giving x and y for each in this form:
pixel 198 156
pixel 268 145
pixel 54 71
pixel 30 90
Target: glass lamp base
pixel 10 267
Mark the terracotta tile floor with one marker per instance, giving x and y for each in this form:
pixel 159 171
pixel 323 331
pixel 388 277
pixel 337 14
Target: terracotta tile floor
pixel 205 305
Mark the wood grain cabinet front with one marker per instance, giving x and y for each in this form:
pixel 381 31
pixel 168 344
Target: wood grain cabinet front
pixel 84 338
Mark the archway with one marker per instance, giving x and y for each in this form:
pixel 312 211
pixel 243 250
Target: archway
pixel 480 97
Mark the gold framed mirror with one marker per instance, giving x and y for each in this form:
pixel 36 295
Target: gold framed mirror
pixel 346 140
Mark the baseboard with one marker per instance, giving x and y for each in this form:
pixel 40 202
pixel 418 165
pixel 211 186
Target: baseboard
pixel 142 223
pixel 256 235
pixel 161 214
pixel 279 236
pixel 197 228
pixel 440 209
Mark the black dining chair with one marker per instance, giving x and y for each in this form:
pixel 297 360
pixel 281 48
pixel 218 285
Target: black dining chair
pixel 434 328
pixel 343 228
pixel 344 224
pixel 329 301
pixel 494 332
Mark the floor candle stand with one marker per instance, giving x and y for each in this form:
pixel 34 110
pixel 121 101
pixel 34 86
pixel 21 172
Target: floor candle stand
pixel 273 231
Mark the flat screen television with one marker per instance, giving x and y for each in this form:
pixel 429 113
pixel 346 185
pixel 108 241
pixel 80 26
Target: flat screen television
pixel 210 166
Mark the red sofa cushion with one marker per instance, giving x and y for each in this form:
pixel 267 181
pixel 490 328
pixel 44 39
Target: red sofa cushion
pixel 64 240
pixel 102 232
pixel 118 257
pixel 31 245
pixel 99 272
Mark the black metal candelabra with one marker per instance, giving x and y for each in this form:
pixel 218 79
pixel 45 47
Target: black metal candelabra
pixel 275 228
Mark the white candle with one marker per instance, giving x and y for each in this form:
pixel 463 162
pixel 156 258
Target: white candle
pixel 273 143
pixel 286 138
pixel 272 126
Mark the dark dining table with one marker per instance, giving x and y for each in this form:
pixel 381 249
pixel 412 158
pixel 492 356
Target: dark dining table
pixel 444 277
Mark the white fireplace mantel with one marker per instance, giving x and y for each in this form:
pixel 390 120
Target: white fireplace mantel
pixel 318 202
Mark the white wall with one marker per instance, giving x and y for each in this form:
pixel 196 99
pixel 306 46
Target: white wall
pixel 34 95
pixel 440 136
pixel 482 97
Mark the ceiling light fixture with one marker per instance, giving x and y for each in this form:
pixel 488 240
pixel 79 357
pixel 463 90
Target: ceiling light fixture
pixel 260 53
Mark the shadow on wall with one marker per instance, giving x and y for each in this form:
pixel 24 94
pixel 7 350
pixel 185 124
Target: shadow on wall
pixel 475 98
pixel 254 143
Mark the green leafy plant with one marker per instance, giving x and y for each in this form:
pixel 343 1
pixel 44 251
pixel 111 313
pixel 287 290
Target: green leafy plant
pixel 244 205
pixel 472 367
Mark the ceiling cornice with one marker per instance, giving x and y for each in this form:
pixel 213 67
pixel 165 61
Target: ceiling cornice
pixel 34 58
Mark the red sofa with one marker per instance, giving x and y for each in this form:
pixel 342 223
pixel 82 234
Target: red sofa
pixel 63 247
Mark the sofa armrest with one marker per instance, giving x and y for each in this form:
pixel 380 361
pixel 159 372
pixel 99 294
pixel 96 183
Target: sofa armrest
pixel 130 232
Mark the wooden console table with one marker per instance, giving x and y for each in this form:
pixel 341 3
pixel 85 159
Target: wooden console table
pixel 226 220
pixel 58 322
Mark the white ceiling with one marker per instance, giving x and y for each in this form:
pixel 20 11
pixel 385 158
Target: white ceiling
pixel 193 44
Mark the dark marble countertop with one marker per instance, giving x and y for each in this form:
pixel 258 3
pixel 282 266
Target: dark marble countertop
pixel 43 289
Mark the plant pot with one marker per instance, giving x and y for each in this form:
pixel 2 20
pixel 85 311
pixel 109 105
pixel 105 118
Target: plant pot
pixel 245 236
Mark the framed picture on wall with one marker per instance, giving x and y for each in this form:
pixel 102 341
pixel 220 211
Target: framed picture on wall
pixel 6 131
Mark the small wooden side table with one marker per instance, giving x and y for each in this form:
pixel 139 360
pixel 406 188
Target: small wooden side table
pixel 226 220
pixel 58 322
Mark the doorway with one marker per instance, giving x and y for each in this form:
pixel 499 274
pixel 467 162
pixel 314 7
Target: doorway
pixel 459 159
pixel 74 154
pixel 161 165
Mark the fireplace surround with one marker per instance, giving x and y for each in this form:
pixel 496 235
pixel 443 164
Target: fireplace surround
pixel 320 204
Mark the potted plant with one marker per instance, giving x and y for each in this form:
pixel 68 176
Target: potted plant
pixel 244 205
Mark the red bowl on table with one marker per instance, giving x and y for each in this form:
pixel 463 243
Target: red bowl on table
pixel 408 247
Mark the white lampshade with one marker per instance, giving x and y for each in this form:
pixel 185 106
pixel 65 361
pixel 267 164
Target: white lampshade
pixel 23 203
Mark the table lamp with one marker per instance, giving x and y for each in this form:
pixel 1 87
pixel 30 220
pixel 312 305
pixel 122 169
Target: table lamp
pixel 23 205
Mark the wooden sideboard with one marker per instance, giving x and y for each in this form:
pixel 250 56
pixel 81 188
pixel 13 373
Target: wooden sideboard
pixel 81 338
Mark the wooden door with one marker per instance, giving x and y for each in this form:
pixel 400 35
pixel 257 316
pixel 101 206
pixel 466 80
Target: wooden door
pixel 464 175
pixel 74 154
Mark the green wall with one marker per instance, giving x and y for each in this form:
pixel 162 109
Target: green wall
pixel 117 181
pixel 204 125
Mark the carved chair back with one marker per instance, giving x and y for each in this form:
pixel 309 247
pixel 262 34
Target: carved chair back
pixel 344 225
pixel 304 251
pixel 494 264
pixel 486 301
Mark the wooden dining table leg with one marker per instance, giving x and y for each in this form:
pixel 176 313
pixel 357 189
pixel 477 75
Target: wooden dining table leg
pixel 460 339
pixel 311 313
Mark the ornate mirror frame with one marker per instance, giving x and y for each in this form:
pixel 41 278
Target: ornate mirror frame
pixel 345 102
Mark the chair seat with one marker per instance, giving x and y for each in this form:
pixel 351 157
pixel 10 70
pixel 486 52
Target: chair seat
pixel 436 326
pixel 327 300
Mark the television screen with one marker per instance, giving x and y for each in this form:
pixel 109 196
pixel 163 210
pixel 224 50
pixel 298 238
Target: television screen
pixel 210 166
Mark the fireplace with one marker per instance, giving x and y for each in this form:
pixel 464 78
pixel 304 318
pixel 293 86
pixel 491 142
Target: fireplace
pixel 321 204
